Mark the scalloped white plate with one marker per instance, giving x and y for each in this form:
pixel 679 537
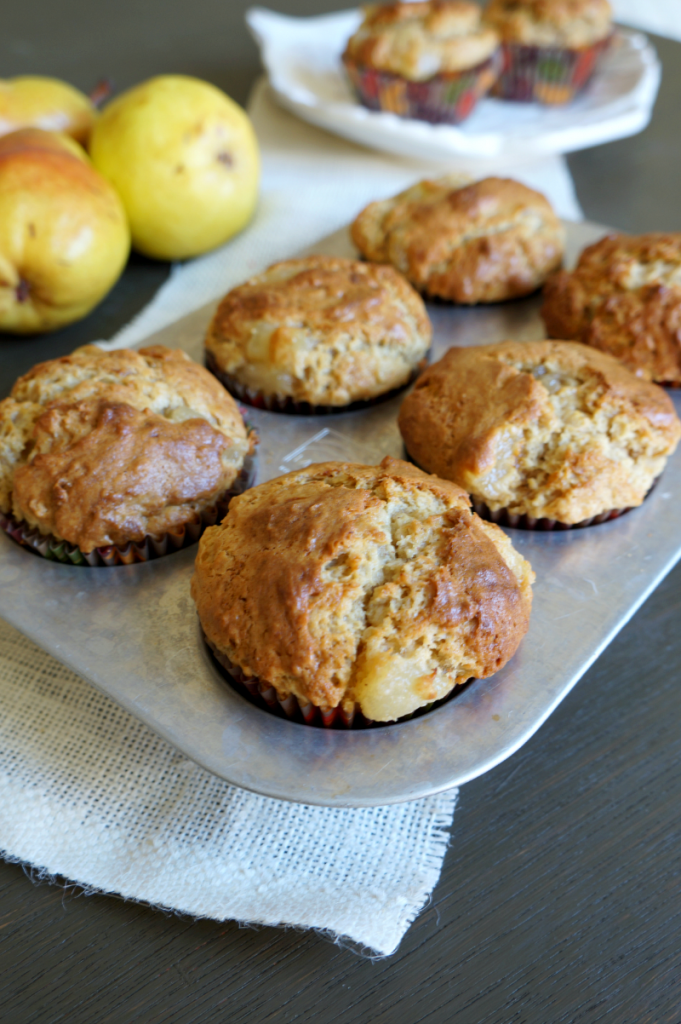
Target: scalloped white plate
pixel 302 58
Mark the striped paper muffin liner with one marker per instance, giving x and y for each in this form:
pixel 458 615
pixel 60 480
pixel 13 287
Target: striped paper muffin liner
pixel 447 98
pixel 551 75
pixel 265 696
pixel 285 404
pixel 146 550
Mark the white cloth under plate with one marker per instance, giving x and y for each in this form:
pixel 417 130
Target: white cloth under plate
pixel 87 793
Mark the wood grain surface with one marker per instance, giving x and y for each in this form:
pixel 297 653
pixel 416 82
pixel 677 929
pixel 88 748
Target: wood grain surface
pixel 560 896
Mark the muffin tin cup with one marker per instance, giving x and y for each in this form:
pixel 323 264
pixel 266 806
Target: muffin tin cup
pixel 551 75
pixel 133 552
pixel 447 98
pixel 264 695
pixel 285 404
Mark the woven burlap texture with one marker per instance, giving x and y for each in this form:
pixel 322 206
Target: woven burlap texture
pixel 88 793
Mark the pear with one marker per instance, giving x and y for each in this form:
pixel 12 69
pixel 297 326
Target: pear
pixel 31 101
pixel 184 159
pixel 64 237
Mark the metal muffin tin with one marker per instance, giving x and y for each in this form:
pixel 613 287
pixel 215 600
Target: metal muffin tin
pixel 132 631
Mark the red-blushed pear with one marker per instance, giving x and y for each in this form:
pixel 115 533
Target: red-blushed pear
pixel 64 236
pixel 34 101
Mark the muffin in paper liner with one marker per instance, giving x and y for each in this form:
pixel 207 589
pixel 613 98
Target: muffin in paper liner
pixel 318 334
pixel 543 435
pixel 346 595
pixel 551 75
pixel 265 696
pixel 623 297
pixel 464 242
pixel 146 550
pixel 446 98
pixel 286 404
pixel 109 457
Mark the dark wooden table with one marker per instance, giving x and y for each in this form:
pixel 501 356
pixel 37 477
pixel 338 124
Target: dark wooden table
pixel 560 898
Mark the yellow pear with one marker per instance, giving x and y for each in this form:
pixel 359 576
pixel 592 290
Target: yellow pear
pixel 32 101
pixel 184 159
pixel 64 237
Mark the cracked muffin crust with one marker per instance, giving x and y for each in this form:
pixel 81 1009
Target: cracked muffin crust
pixel 361 585
pixel 488 241
pixel 420 40
pixel 322 330
pixel 624 297
pixel 567 23
pixel 100 448
pixel 549 429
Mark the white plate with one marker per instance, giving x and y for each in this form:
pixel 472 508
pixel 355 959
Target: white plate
pixel 302 58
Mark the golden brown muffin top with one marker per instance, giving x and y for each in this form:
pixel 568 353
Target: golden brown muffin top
pixel 624 297
pixel 487 241
pixel 550 428
pixel 420 40
pixel 343 583
pixel 564 23
pixel 100 448
pixel 321 329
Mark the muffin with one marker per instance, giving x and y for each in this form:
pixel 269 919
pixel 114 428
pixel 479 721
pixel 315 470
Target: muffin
pixel 488 241
pixel 550 48
pixel 544 431
pixel 431 60
pixel 624 297
pixel 318 334
pixel 360 589
pixel 110 457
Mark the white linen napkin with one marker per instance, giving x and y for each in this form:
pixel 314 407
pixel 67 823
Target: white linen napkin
pixel 89 794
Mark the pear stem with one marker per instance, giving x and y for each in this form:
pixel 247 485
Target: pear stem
pixel 101 92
